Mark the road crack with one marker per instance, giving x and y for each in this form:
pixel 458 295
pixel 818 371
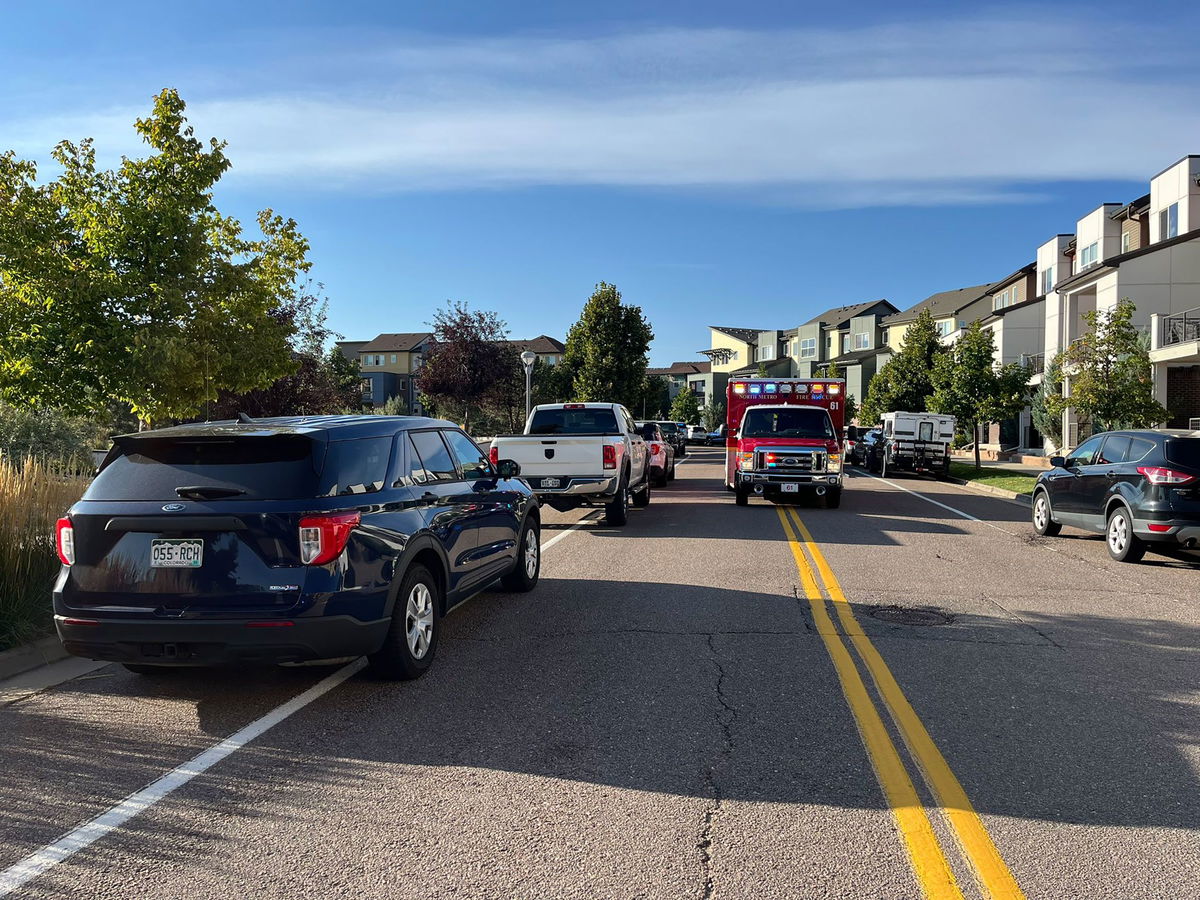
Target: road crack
pixel 726 715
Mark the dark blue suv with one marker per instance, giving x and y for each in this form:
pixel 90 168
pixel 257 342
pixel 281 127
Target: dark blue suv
pixel 288 540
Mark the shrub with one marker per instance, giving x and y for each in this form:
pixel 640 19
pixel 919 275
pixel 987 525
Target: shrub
pixel 33 495
pixel 45 433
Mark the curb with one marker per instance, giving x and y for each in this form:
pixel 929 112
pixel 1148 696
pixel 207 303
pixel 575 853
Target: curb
pixel 31 656
pixel 1023 499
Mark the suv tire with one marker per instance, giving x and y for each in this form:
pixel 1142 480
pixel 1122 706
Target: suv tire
pixel 528 565
pixel 616 511
pixel 1123 544
pixel 741 497
pixel 833 498
pixel 671 473
pixel 1043 523
pixel 412 639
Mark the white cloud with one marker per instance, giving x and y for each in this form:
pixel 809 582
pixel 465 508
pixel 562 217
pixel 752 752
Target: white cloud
pixel 966 111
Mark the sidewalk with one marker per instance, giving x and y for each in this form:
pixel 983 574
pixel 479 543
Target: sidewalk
pixel 1023 468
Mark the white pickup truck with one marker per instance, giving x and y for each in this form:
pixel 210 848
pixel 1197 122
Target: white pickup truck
pixel 581 454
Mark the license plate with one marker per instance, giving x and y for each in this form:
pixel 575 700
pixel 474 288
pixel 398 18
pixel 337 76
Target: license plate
pixel 550 482
pixel 790 488
pixel 176 553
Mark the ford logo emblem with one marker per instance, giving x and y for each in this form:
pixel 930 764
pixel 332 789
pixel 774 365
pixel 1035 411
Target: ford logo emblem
pixel 173 507
pixel 790 461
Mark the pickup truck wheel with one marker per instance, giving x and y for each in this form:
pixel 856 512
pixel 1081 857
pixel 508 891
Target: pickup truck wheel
pixel 616 511
pixel 641 498
pixel 412 639
pixel 833 498
pixel 528 564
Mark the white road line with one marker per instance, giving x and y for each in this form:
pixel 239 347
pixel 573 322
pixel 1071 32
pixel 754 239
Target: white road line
pixel 16 876
pixel 957 512
pixel 546 545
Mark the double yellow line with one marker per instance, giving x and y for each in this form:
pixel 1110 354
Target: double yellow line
pixel 929 863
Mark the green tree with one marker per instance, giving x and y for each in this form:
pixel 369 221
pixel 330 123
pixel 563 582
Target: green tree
pixel 713 415
pixel 969 386
pixel 1110 374
pixel 1048 405
pixel 685 408
pixel 606 349
pixel 129 285
pixel 905 382
pixel 656 397
pixel 851 408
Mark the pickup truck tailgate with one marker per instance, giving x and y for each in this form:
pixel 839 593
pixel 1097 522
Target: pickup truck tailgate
pixel 559 455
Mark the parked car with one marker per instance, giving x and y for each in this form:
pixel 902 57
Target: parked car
pixel 717 438
pixel 581 454
pixel 858 451
pixel 696 434
pixel 662 453
pixel 288 540
pixel 1140 489
pixel 676 433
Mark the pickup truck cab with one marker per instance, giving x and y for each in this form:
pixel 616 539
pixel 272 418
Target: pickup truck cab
pixel 581 454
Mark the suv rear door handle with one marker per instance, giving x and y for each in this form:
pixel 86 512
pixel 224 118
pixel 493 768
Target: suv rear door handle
pixel 1111 474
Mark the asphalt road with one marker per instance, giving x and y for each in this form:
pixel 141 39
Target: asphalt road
pixel 701 704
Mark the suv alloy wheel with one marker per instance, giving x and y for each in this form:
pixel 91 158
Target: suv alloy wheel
pixel 411 642
pixel 1123 544
pixel 528 565
pixel 1043 524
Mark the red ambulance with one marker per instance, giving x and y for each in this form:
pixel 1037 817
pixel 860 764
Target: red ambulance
pixel 784 438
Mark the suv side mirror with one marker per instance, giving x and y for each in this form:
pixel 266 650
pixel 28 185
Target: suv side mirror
pixel 1058 462
pixel 508 468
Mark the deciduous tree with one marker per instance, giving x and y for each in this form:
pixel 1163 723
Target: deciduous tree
pixel 713 415
pixel 1110 374
pixel 467 358
pixel 685 408
pixel 129 285
pixel 969 386
pixel 904 382
pixel 606 349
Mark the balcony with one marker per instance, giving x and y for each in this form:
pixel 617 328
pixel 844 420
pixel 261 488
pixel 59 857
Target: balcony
pixel 1181 327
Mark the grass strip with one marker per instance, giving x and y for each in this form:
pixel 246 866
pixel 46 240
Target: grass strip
pixel 994 476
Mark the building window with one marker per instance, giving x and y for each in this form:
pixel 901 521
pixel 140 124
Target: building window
pixel 1047 281
pixel 1126 241
pixel 862 341
pixel 1168 222
pixel 365 360
pixel 393 357
pixel 697 387
pixel 1089 255
pixel 808 348
pixel 845 343
pixel 1003 299
pixel 945 327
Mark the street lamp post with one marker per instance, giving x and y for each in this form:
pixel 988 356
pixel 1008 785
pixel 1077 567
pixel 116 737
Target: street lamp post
pixel 528 358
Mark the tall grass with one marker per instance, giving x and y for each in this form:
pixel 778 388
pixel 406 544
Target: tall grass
pixel 33 494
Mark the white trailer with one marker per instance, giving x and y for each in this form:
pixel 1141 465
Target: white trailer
pixel 913 442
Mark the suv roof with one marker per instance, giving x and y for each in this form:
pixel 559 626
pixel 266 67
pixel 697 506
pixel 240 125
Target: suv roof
pixel 331 427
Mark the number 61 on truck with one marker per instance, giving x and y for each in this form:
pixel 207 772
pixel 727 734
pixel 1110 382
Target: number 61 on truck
pixel 784 438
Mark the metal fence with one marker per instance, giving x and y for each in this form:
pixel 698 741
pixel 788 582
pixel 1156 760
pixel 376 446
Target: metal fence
pixel 1184 326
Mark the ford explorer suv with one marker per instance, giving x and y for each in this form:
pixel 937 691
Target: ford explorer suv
pixel 288 540
pixel 1141 489
pixel 581 454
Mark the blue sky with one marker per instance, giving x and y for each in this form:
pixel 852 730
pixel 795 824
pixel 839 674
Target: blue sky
pixel 740 164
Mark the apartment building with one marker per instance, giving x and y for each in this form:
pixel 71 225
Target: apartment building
pixel 387 364
pixel 1147 251
pixel 696 377
pixel 549 350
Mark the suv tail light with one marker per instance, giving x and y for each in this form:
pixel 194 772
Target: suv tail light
pixel 64 541
pixel 323 538
pixel 610 456
pixel 655 448
pixel 494 455
pixel 1159 475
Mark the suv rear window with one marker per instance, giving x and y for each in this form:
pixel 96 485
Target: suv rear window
pixel 574 421
pixel 279 467
pixel 795 423
pixel 668 427
pixel 1184 452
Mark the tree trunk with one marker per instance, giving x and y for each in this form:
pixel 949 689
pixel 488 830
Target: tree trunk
pixel 975 429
